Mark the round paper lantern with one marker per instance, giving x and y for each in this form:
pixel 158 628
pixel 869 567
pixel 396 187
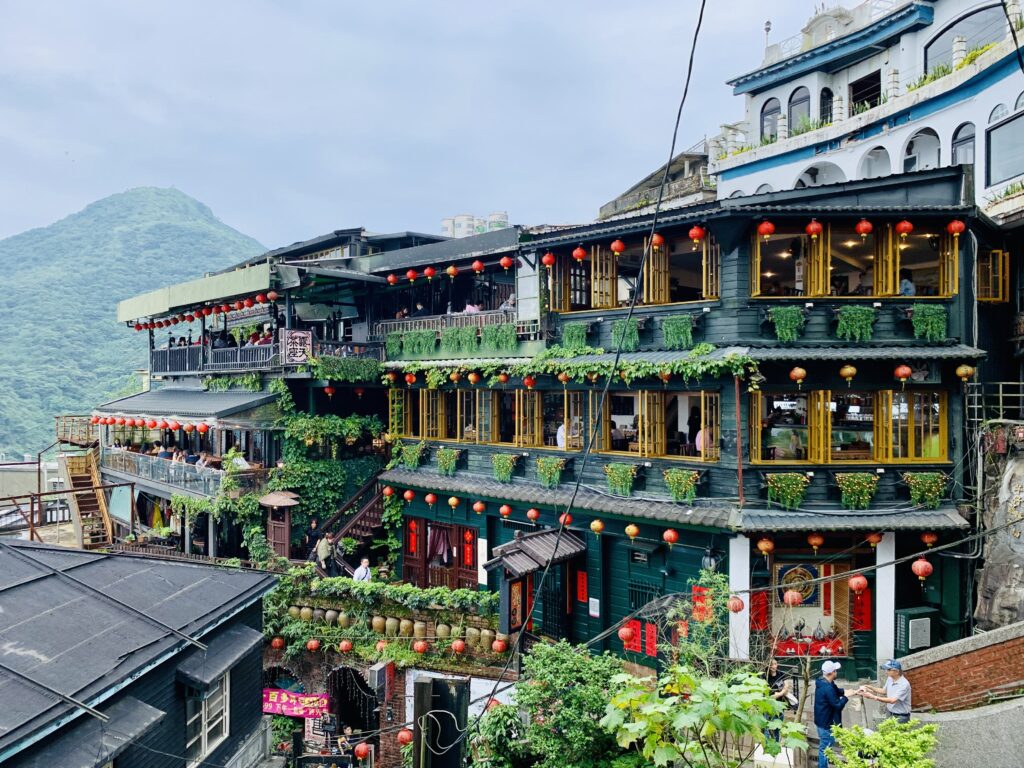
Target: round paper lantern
pixel 565 519
pixel 410 379
pixel 597 527
pixel 429 273
pixel 765 229
pixel 632 531
pixel 261 298
pixel 813 229
pixel 965 372
pixel 506 262
pixel 626 635
pixel 175 320
pixel 138 326
pixel 798 375
pixel 277 643
pixel 529 381
pixel 902 372
pixel 479 507
pixel 579 253
pixel 922 568
pixel 863 229
pixel 94 420
pixel 670 537
pixel 190 317
pixel 404 737
pixel 313 645
pixel 189 428
pixel 499 646
pixel 272 295
pixel 734 604
pixel 431 499
pixel 381 645
pixel 362 749
pixel 904 228
pixel 151 424
pixel 665 376
pixel 858 583
pixel 658 240
pixel 409 496
pixel 792 598
pixel 173 425
pixel 225 308
pixel 207 311
pixel 458 646
pixel 452 271
pixel 218 309
pixel 697 234
pixel 563 377
pixel 503 378
pixel 392 279
pixel 617 247
pixel 239 305
pixel 848 372
pixel 504 510
pixel 533 514
pixel 392 376
pixel 345 646
pixel 454 376
pixel 765 546
pixel 453 502
pixel 412 275
pixel 548 259
pixel 815 540
pixel 473 378
pixel 388 491
pixel 329 391
pixel 874 539
pixel 248 303
pixel 928 538
pixel 493 704
pixel 202 429
pixel 956 228
pixel 420 646
pixel 162 424
pixel 119 421
pixel 477 266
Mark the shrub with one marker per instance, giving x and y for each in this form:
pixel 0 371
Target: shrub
pixel 788 321
pixel 504 464
pixel 626 333
pixel 929 321
pixel 574 335
pixel 787 489
pixel 549 470
pixel 455 341
pixel 926 488
pixel 857 488
pixel 447 459
pixel 856 323
pixel 620 478
pixel 678 332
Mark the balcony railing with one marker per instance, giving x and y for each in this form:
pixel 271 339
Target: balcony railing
pixel 441 322
pixel 203 481
pixel 689 185
pixel 197 359
pixel 995 401
pixel 256 358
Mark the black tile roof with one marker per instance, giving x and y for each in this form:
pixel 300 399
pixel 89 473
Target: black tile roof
pixel 187 403
pixel 440 255
pixel 531 552
pixel 839 351
pixel 914 519
pixel 85 640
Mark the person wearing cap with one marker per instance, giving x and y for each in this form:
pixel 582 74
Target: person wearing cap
pixel 829 700
pixel 895 694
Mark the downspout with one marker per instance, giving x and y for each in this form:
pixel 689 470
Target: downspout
pixel 739 441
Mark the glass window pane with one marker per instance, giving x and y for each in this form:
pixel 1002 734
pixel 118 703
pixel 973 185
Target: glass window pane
pixel 1006 150
pixel 625 417
pixel 784 427
pixel 987 25
pixel 853 426
pixel 851 261
pixel 900 426
pixel 927 426
pixel 770 113
pixel 919 261
pixel 784 259
pixel 506 405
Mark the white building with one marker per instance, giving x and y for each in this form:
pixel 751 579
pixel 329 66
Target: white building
pixel 466 224
pixel 888 86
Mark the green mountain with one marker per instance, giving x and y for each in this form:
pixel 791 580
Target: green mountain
pixel 61 347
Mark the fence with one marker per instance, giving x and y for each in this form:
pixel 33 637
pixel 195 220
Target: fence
pixel 204 481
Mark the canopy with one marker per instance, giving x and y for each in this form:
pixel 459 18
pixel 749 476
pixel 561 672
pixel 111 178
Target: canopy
pixel 530 552
pixel 184 403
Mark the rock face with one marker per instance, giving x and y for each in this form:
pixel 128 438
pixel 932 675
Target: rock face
pixel 1001 581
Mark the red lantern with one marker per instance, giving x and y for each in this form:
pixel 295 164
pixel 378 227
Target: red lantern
pixel 815 540
pixel 277 643
pixel 272 295
pixel 202 429
pixel 261 298
pixel 412 275
pixel 798 375
pixel 420 646
pixel 392 279
pixel 410 379
pixel 863 228
pixel 458 646
pixel 409 496
pixel 874 539
pixel 632 531
pixel 904 228
pixel 224 308
pixel 617 247
pixel 626 635
pixel 697 234
pixel 388 491
pixel 94 420
pixel 565 519
pixel 903 372
pixel 362 749
pixel 533 515
pixel 765 546
pixel 162 424
pixel 670 537
pixel 151 424
pixel 474 378
pixel 499 646
pixel 175 321
pixel 503 378
pixel 597 527
pixel 665 376
pixel 564 378
pixel 529 381
pixel 928 538
pixel 579 253
pixel 217 309
pixel 477 266
pixel 455 376
pixel 381 645
pixel 119 421
pixel 359 392
pixel 138 326
pixel 765 229
pixel 313 645
pixel 189 428
pixel 404 737
pixel 173 425
pixel 792 598
pixel 329 391
pixel 813 229
pixel 452 271
pixel 506 263
pixel 431 499
pixel 429 273
pixel 345 646
pixel 392 376
pixel 658 240
pixel 248 303
pixel 479 507
pixel 190 317
pixel 548 259
pixel 239 305
pixel 956 228
pixel 734 604
pixel 493 704
pixel 505 510
pixel 453 501
pixel 858 583
pixel 207 311
pixel 922 569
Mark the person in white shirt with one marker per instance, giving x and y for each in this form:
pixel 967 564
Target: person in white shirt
pixel 560 436
pixel 363 571
pixel 896 693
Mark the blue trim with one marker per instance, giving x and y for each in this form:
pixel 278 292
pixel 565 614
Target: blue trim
pixel 969 88
pixel 838 53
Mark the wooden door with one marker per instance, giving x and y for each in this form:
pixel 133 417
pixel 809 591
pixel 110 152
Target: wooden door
pixel 279 531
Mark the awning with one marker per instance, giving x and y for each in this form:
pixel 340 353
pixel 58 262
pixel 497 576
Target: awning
pixel 531 551
pixel 201 668
pixel 182 403
pixel 90 743
pixel 914 519
pixel 241 281
pixel 863 352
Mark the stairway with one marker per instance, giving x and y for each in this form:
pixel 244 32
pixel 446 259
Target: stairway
pixel 364 525
pixel 87 501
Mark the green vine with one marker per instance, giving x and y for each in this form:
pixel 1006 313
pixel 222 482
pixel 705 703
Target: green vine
pixel 285 401
pixel 856 323
pixel 251 382
pixel 549 470
pixel 788 321
pixel 418 343
pixel 620 478
pixel 459 341
pixel 503 465
pixel 926 488
pixel 393 344
pixel 499 338
pixel 682 483
pixel 929 321
pixel 787 489
pixel 574 335
pixel 353 370
pixel 678 331
pixel 318 429
pixel 627 334
pixel 447 460
pixel 408 455
pixel 857 488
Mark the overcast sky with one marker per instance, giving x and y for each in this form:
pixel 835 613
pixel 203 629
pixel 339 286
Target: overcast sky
pixel 293 118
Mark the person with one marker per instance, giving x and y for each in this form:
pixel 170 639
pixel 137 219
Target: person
pixel 906 284
pixel 362 573
pixel 221 341
pixel 471 309
pixel 509 304
pixel 421 311
pixel 895 694
pixel 164 452
pixel 781 685
pixel 560 435
pixel 266 339
pixel 191 458
pixel 253 339
pixel 698 442
pixel 178 456
pixel 117 444
pixel 325 553
pixel 182 341
pixel 313 537
pixel 203 460
pixel 402 313
pixel 829 700
pixel 693 424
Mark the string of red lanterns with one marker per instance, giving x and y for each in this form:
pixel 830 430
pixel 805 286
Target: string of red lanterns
pixel 191 315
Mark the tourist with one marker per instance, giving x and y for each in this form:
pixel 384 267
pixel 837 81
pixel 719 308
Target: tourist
pixel 509 304
pixel 191 458
pixel 471 309
pixel 402 313
pixel 781 685
pixel 829 700
pixel 693 424
pixel 906 283
pixel 313 534
pixel 895 694
pixel 203 460
pixel 363 571
pixel 421 311
pixel 266 339
pixel 221 340
pixel 325 553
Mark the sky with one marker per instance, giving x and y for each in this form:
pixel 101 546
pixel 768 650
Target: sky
pixel 297 117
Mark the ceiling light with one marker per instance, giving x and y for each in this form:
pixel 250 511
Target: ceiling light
pixel 769 274
pixel 849 243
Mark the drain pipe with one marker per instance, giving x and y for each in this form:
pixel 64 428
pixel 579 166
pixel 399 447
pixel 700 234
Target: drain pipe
pixel 739 441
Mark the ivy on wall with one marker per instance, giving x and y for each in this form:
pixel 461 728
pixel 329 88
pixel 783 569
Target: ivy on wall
pixel 626 333
pixel 353 370
pixel 499 338
pixel 459 341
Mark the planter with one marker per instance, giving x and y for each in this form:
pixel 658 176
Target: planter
pixel 443 631
pixel 306 613
pixel 344 620
pixel 486 638
pixel 319 614
pixel 457 632
pixel 391 627
pixel 405 628
pixel 378 624
pixel 293 611
pixel 472 636
pixel 419 630
pixel 331 616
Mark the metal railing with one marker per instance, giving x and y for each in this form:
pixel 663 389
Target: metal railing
pixel 441 322
pixel 686 186
pixel 255 358
pixel 863 14
pixel 995 401
pixel 176 359
pixel 205 481
pixel 373 351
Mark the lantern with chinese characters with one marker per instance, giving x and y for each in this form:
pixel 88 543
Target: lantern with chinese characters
pixel 734 604
pixel 479 507
pixel 477 266
pixel 548 260
pixel 928 538
pixel 429 273
pixel 565 519
pixel 874 539
pixel 431 500
pixel 632 531
pixel 329 391
pixel 452 271
pixel 362 749
pixel 618 247
pixel 858 583
pixel 904 228
pixel 863 228
pixel 529 381
pixel 579 253
pixel 657 241
pixel 765 546
pixel 798 375
pixel 792 598
pixel 670 537
pixel 815 540
pixel 506 262
pixel 965 372
pixel 765 229
pixel 453 501
pixel 505 510
pixel 813 229
pixel 956 228
pixel 596 526
pixel 848 372
pixel 903 372
pixel 626 635
pixel 922 569
pixel 409 496
pixel 533 514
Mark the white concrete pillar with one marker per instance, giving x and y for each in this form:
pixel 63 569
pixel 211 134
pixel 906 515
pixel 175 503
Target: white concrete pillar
pixel 885 598
pixel 893 87
pixel 1015 15
pixel 783 127
pixel 482 556
pixel 838 109
pixel 959 50
pixel 211 536
pixel 739 582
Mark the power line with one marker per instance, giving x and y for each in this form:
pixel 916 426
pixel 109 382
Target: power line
pixel 1013 33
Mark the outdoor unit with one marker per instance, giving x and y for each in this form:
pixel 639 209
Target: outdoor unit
pixel 916 629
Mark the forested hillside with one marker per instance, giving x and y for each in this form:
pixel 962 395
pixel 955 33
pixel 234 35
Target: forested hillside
pixel 61 347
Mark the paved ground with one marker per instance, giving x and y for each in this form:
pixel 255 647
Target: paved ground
pixel 62 534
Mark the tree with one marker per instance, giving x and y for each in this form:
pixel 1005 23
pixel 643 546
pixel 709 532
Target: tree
pixel 893 745
pixel 689 719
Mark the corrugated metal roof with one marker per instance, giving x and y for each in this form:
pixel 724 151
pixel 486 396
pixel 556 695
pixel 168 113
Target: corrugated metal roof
pixel 896 520
pixel 439 254
pixel 187 403
pixel 531 551
pixel 917 351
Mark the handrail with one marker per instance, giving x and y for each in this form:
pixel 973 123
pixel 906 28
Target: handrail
pixel 439 323
pixel 349 504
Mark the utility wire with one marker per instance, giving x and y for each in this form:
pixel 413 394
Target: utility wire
pixel 1013 33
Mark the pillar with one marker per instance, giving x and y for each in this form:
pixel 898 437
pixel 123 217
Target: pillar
pixel 892 89
pixel 959 50
pixel 739 582
pixel 782 127
pixel 211 536
pixel 838 109
pixel 885 598
pixel 1013 8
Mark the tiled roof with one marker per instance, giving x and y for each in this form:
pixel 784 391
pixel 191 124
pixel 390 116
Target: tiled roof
pixel 187 403
pixel 863 352
pixel 914 519
pixel 530 552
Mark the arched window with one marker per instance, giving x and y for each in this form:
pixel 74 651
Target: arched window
pixel 738 193
pixel 998 113
pixel 770 119
pixel 922 151
pixel 963 144
pixel 763 189
pixel 875 164
pixel 978 28
pixel 1019 104
pixel 818 174
pixel 825 106
pixel 799 111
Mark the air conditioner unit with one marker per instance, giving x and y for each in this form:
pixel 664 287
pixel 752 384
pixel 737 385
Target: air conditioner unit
pixel 916 629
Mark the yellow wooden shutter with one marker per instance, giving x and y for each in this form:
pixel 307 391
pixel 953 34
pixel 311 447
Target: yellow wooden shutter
pixel 887 256
pixel 656 275
pixel 755 427
pixel 882 426
pixel 558 284
pixel 529 418
pixel 604 278
pixel 599 422
pixel 651 424
pixel 712 255
pixel 949 265
pixel 819 426
pixel 574 420
pixel 755 266
pixel 486 414
pixel 710 424
pixel 397 412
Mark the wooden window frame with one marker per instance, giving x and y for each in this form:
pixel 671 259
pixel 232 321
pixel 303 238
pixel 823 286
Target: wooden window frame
pixel 655 278
pixel 206 720
pixel 711 268
pixel 432 414
pixel 398 412
pixel 993 272
pixel 604 278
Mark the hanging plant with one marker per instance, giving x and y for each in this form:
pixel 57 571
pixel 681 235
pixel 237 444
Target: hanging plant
pixel 620 478
pixel 416 343
pixel 393 344
pixel 626 332
pixel 926 488
pixel 549 470
pixel 857 488
pixel 856 323
pixel 455 341
pixel 574 335
pixel 354 370
pixel 929 321
pixel 678 331
pixel 447 459
pixel 408 455
pixel 682 483
pixel 787 489
pixel 788 321
pixel 504 464
pixel 499 338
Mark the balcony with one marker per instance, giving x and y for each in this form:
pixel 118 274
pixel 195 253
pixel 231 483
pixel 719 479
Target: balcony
pixel 526 331
pixel 207 360
pixel 175 477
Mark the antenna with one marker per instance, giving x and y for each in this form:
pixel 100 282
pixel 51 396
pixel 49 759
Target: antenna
pixel 767 31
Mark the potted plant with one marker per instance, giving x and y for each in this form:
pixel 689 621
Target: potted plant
pixel 857 488
pixel 504 465
pixel 682 483
pixel 926 488
pixel 549 470
pixel 929 321
pixel 620 478
pixel 787 489
pixel 447 460
pixel 855 323
pixel 789 322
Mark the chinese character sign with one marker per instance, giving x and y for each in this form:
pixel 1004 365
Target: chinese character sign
pixel 279 702
pixel 298 346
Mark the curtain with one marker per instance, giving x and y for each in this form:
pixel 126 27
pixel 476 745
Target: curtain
pixel 439 545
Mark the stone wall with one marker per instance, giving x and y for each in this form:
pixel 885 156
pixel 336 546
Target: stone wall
pixel 1001 580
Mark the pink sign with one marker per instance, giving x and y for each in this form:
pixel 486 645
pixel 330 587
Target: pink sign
pixel 279 702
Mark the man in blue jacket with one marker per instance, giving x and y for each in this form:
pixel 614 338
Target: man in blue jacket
pixel 829 700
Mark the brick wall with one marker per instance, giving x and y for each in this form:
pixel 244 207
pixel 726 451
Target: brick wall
pixel 963 674
pixel 389 753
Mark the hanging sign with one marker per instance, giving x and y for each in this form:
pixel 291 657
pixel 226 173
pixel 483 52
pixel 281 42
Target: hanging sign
pixel 280 702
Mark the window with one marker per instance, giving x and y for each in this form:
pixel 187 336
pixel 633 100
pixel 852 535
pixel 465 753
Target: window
pixel 206 720
pixel 460 415
pixel 999 111
pixel 994 276
pixel 1019 103
pixel 1005 150
pixel 875 163
pixel 963 144
pixel 763 189
pixel 783 432
pixel 978 28
pixel 866 93
pixel 770 113
pixel 918 426
pixel 922 152
pixel 799 115
pixel 658 423
pixel 693 425
pixel 825 106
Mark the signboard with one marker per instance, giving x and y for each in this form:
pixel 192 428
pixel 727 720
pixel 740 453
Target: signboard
pixel 280 702
pixel 297 346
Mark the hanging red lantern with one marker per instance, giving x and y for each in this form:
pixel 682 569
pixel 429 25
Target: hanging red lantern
pixel 533 515
pixel 492 704
pixel 452 271
pixel 597 527
pixel 392 376
pixel 272 295
pixel 431 499
pixel 345 646
pixel 904 228
pixel 632 531
pixel 798 375
pixel 138 326
pixel 362 749
pixel 657 240
pixel 928 538
pixel 665 376
pixel 499 646
pixel 848 372
pixel 565 519
pixel 410 379
pixel 173 425
pixel 381 645
pixel 792 598
pixel 815 540
pixel 162 424
pixel 874 539
pixel 903 372
pixel 313 645
pixel 404 737
pixel 409 495
pixel 277 643
pixel 922 568
pixel 412 275
pixel 458 646
pixel 429 273
pixel 477 266
pixel 857 583
pixel 503 378
pixel 239 305
pixel 626 635
pixel 697 234
pixel 956 228
pixel 579 253
pixel 420 646
pixel 202 429
pixel 863 228
pixel 359 392
pixel 174 321
pixel 189 428
pixel 529 381
pixel 548 260
pixel 151 423
pixel 119 421
pixel 670 537
pixel 225 308
pixel 965 372
pixel 505 510
pixel 479 507
pixel 94 420
pixel 453 502
pixel 190 317
pixel 248 303
pixel 813 229
pixel 734 604
pixel 473 378
pixel 206 311
pixel 261 298
pixel 618 247
pixel 765 229
pixel 388 491
pixel 454 377
pixel 506 263
pixel 329 391
pixel 564 378
pixel 765 546
pixel 392 279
